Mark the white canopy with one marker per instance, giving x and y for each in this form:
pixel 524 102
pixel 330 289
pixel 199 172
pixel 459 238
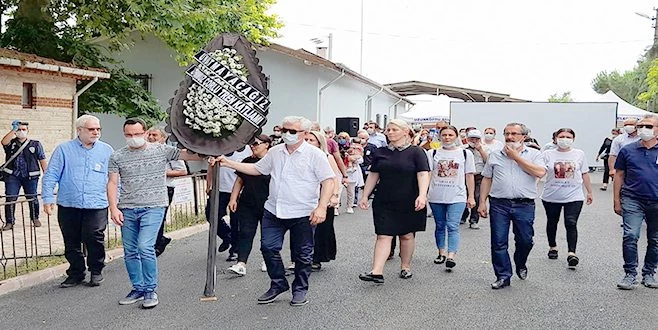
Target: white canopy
pixel 429 108
pixel 625 110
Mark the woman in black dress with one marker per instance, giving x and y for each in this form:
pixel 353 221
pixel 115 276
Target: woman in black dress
pixel 604 151
pixel 401 173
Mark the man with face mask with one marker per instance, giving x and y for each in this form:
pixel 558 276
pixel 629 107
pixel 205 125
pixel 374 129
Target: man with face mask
pixel 79 168
pixel 23 171
pixel 510 179
pixel 480 155
pixel 636 200
pixel 140 207
pixel 628 136
pixel 375 137
pixel 276 135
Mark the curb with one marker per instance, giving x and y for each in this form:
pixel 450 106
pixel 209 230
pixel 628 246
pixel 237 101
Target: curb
pixel 49 274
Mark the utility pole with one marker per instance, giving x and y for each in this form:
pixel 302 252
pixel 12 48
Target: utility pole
pixel 361 52
pixel 655 28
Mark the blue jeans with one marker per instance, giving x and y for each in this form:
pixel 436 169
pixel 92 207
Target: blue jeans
pixel 447 215
pixel 139 231
pixel 272 231
pixel 13 186
pixel 521 213
pixel 634 211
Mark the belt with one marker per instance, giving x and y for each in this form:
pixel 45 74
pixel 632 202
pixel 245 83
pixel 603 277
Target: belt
pixel 516 200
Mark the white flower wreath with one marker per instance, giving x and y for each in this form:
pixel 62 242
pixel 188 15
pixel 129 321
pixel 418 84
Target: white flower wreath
pixel 205 112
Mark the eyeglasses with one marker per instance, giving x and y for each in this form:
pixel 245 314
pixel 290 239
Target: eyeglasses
pixel 292 131
pixel 512 133
pixel 645 126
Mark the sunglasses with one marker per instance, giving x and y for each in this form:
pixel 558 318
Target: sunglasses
pixel 292 131
pixel 645 126
pixel 257 143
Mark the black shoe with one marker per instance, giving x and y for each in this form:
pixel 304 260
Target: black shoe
pixel 71 282
pixel 572 261
pixel 522 273
pixel 96 280
pixel 462 221
pixel 224 246
pixel 390 256
pixel 405 274
pixel 316 267
pixel 370 277
pixel 161 247
pixel 500 283
pixel 440 259
pixel 7 226
pixel 450 263
pixel 552 254
pixel 232 257
pixel 269 296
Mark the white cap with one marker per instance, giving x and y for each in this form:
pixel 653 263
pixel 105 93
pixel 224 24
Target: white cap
pixel 474 134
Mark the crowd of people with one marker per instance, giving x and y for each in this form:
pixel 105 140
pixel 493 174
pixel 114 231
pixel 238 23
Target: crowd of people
pixel 292 181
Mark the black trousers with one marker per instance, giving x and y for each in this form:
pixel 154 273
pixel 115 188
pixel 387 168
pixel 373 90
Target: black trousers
pixel 571 214
pixel 160 240
pixel 606 170
pixel 83 226
pixel 223 230
pixel 247 217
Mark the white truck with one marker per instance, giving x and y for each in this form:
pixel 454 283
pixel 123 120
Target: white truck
pixel 591 121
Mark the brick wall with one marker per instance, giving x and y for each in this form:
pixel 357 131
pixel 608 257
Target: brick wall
pixel 50 119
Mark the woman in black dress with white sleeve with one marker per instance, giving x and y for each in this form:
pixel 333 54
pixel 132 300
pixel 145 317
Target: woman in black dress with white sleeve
pixel 401 173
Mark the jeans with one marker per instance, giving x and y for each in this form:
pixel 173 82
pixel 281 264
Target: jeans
pixel 83 226
pixel 521 213
pixel 447 215
pixel 248 219
pixel 139 230
pixel 13 185
pixel 634 211
pixel 571 214
pixel 160 240
pixel 301 240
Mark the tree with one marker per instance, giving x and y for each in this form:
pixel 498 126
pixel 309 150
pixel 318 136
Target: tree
pixel 564 98
pixel 651 94
pixel 64 30
pixel 630 85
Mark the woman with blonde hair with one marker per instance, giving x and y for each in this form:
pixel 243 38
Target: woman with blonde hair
pixel 401 173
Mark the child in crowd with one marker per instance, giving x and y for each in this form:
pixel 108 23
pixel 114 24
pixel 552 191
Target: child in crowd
pixel 353 158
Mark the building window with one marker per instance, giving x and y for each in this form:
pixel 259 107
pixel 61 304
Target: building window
pixel 378 119
pixel 28 96
pixel 143 80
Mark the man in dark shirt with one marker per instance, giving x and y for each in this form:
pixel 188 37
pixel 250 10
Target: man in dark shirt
pixel 23 171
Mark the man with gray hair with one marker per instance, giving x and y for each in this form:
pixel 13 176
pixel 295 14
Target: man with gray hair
pixel 628 136
pixel 300 188
pixel 80 168
pixel 509 180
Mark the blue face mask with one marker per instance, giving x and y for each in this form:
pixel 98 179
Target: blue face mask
pixel 342 141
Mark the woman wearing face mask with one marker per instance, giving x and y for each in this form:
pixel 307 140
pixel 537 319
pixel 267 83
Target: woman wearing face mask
pixel 452 189
pixel 325 236
pixel 247 202
pixel 567 172
pixel 604 153
pixel 490 139
pixel 401 173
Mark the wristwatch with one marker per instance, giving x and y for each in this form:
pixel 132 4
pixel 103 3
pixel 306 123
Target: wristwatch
pixel 344 176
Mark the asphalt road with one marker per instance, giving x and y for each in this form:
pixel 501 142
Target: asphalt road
pixel 552 297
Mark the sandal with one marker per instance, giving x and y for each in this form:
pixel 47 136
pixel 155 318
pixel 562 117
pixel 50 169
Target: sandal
pixel 572 261
pixel 370 277
pixel 405 273
pixel 440 259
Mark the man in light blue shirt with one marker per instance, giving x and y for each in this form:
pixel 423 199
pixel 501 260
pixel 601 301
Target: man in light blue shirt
pixel 376 138
pixel 79 167
pixel 510 181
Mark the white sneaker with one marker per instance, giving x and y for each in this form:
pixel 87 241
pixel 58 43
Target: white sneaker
pixel 238 269
pixel 350 210
pixel 336 212
pixel 263 267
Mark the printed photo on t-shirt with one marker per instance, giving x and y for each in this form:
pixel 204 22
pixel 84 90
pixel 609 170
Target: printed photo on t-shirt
pixel 447 168
pixel 564 169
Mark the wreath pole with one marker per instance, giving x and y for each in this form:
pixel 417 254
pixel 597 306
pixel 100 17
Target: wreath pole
pixel 211 264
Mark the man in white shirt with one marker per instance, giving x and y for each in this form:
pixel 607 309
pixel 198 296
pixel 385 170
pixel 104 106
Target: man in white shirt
pixel 302 184
pixel 376 138
pixel 629 136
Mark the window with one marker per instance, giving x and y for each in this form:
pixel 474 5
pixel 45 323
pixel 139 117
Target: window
pixel 143 80
pixel 385 120
pixel 28 96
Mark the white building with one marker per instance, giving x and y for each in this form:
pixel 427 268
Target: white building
pixel 300 83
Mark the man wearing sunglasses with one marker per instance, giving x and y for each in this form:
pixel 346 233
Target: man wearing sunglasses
pixel 301 185
pixel 636 200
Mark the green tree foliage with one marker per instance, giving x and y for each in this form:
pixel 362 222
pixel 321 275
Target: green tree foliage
pixel 631 85
pixel 65 29
pixel 565 97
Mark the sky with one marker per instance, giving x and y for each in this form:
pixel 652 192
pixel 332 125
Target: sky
pixel 529 49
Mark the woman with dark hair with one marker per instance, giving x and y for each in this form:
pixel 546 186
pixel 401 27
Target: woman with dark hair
pixel 603 154
pixel 247 203
pixel 566 173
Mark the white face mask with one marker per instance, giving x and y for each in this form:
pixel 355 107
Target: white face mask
pixel 646 134
pixel 135 142
pixel 21 134
pixel 290 139
pixel 462 135
pixel 629 129
pixel 448 145
pixel 564 143
pixel 514 145
pixel 489 136
pixel 472 144
pixel 371 131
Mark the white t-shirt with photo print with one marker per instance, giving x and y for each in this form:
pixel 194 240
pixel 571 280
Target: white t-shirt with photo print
pixel 564 175
pixel 448 175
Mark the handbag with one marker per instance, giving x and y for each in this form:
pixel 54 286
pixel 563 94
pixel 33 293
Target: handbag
pixel 11 159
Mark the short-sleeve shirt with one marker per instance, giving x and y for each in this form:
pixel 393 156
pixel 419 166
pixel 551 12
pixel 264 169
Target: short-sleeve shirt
pixel 477 157
pixel 296 178
pixel 398 170
pixel 621 141
pixel 142 174
pixel 449 169
pixel 255 188
pixel 227 176
pixel 564 175
pixel 640 166
pixel 174 165
pixel 509 180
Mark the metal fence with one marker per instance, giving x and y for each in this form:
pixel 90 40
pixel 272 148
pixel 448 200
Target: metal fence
pixel 26 248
